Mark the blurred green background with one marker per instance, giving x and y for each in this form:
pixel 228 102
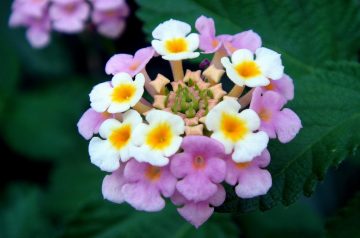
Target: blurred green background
pixel 50 188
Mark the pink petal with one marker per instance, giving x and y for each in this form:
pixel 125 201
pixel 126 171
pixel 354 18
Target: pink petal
pixel 256 100
pixel 143 197
pixel 135 171
pixel 181 164
pixel 90 122
pixel 263 160
pixel 253 182
pixel 119 63
pixel 215 170
pixel 38 37
pixel 268 128
pixel 219 197
pixel 204 146
pixel 284 86
pixel 167 182
pixel 196 213
pixel 196 187
pixel 112 185
pixel 246 40
pixel 273 101
pixel 287 125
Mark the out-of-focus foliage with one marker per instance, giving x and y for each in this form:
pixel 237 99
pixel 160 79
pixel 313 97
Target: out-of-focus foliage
pixel 346 221
pixel 329 107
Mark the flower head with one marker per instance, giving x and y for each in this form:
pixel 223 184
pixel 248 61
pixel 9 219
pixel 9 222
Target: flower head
pixel 159 139
pixel 200 167
pixel 245 70
pixel 173 42
pixel 275 121
pixel 128 63
pixel 236 130
pixel 120 95
pixel 117 143
pixel 69 16
pixel 250 178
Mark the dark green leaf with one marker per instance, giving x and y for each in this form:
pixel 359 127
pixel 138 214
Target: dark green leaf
pixel 21 216
pixel 42 124
pixel 102 219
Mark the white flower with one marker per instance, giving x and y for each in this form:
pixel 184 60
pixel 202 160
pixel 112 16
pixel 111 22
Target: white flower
pixel 173 42
pixel 236 130
pixel 244 70
pixel 117 143
pixel 120 95
pixel 158 140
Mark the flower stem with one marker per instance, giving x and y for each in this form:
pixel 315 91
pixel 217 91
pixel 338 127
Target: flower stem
pixel 216 60
pixel 245 100
pixel 236 91
pixel 177 70
pixel 148 86
pixel 141 107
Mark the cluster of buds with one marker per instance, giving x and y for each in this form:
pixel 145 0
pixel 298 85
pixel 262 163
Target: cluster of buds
pixel 67 16
pixel 192 137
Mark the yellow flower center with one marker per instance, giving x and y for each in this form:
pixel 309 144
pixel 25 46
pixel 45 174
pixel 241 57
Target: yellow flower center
pixel 233 127
pixel 242 165
pixel 153 173
pixel 123 93
pixel 248 69
pixel 265 115
pixel 160 136
pixel 121 136
pixel 176 45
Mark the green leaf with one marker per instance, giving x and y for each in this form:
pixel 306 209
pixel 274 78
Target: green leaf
pixel 22 215
pixel 296 221
pixel 346 221
pixel 102 219
pixel 327 98
pixel 301 31
pixel 42 124
pixel 72 184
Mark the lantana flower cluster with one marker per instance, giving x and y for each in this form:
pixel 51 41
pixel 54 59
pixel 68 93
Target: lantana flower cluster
pixel 194 136
pixel 40 17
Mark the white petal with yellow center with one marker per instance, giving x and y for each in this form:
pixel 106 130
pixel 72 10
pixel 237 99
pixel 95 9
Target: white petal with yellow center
pixel 243 69
pixel 120 95
pixel 158 140
pixel 117 143
pixel 173 42
pixel 236 130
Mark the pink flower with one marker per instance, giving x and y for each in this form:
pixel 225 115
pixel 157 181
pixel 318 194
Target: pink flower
pixel 33 16
pixel 209 43
pixel 198 212
pixel 251 179
pixel 109 16
pixel 128 63
pixel 200 167
pixel 69 16
pixel 112 185
pixel 90 122
pixel 284 86
pixel 145 184
pixel 243 40
pixel 284 124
